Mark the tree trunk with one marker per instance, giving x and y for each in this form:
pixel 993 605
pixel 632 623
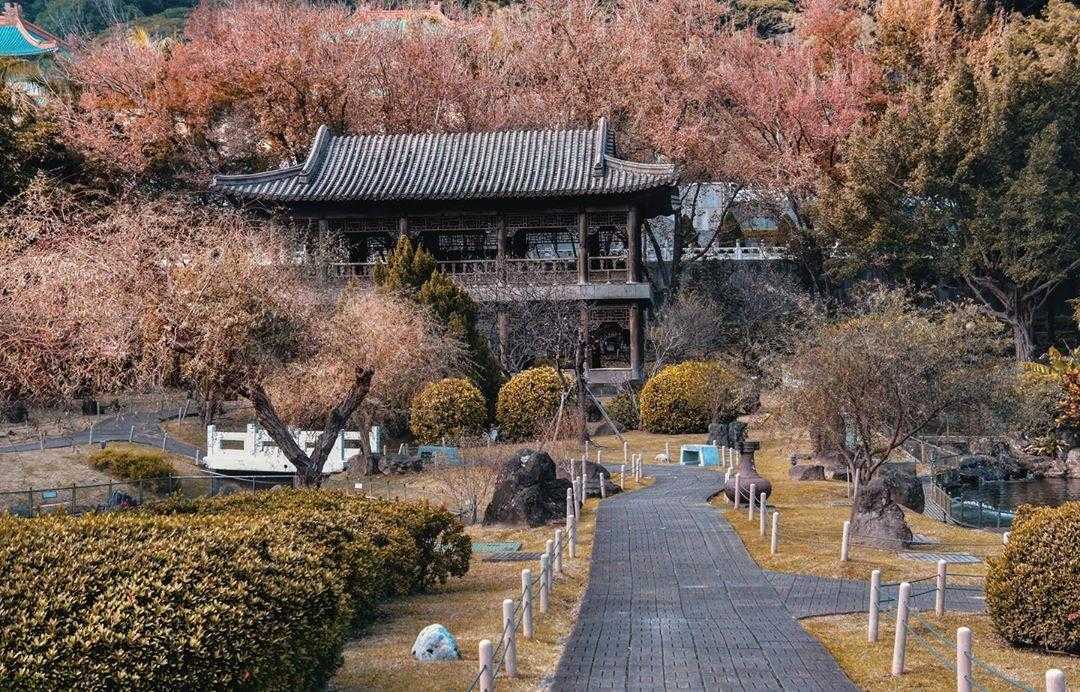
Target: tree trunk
pixel 579 372
pixel 1022 318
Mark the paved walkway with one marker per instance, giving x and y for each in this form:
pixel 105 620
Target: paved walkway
pixel 675 602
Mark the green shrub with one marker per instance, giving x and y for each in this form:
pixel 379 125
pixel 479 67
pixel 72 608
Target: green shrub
pixel 449 408
pixel 685 398
pixel 129 601
pixel 134 465
pixel 527 402
pixel 1033 586
pixel 623 409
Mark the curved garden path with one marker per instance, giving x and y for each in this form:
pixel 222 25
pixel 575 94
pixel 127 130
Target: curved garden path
pixel 674 601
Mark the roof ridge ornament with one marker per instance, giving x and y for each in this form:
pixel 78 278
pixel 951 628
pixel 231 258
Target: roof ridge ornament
pixel 315 156
pixel 600 144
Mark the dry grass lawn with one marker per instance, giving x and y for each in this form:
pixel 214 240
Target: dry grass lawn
pixel 869 665
pixel 471 608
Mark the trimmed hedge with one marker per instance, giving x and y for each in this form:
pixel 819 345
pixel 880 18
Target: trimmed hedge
pixel 527 402
pixel 448 408
pixel 682 398
pixel 623 409
pixel 1033 586
pixel 130 464
pixel 247 591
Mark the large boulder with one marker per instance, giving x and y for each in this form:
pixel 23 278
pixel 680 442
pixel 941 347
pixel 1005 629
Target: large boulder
pixel 904 486
pixel 527 492
pixel 596 474
pixel 435 643
pixel 807 472
pixel 398 464
pixel 876 518
pixel 362 464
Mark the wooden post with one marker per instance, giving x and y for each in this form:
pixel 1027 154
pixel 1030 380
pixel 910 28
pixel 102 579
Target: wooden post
pixel 963 659
pixel 900 635
pixel 583 247
pixel 875 604
pixel 558 552
pixel 761 515
pixel 633 246
pixel 939 595
pixel 487 666
pixel 844 541
pixel 526 603
pixel 509 638
pixel 774 539
pixel 545 571
pixel 1055 680
pixel 750 505
pixel 634 322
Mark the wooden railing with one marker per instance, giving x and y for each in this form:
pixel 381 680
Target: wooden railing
pixel 515 270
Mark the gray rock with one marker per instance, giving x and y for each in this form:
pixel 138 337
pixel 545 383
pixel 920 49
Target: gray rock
pixel 904 486
pixel 528 492
pixel 594 474
pixel 361 464
pixel 1072 463
pixel 435 643
pixel 807 472
pixel 876 518
pixel 400 464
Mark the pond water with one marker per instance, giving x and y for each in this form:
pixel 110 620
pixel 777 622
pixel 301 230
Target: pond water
pixel 977 505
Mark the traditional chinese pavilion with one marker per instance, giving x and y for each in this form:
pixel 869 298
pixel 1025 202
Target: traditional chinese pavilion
pixel 511 216
pixel 22 39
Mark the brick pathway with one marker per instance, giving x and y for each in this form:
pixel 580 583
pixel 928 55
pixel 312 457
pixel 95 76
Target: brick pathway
pixel 675 602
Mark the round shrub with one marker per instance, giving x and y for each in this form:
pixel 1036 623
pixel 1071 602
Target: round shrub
pixel 685 398
pixel 623 410
pixel 1032 586
pixel 449 408
pixel 135 465
pixel 527 402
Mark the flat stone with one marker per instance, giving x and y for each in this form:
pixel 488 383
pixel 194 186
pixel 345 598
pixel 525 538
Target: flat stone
pixel 954 558
pixel 496 547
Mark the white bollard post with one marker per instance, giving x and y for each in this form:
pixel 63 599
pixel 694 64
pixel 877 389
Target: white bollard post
pixel 1055 680
pixel 900 636
pixel 569 503
pixel 91 434
pixel 761 514
pixel 625 451
pixel 603 486
pixel 526 603
pixel 750 505
pixel 487 666
pixel 875 604
pixel 572 530
pixel 545 587
pixel 844 541
pixel 164 437
pixel 622 478
pixel 738 491
pixel 963 659
pixel 510 638
pixel 131 434
pixel 727 477
pixel 667 450
pixel 1005 537
pixel 577 505
pixel 774 539
pixel 939 596
pixel 597 460
pixel 558 552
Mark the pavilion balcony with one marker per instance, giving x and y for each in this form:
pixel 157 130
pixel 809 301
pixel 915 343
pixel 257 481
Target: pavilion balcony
pixel 511 271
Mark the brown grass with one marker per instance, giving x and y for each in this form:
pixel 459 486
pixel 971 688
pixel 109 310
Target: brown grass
pixel 868 665
pixel 471 608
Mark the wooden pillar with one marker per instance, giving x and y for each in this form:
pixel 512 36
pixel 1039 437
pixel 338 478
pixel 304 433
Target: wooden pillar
pixel 636 366
pixel 583 248
pixel 320 248
pixel 500 238
pixel 633 250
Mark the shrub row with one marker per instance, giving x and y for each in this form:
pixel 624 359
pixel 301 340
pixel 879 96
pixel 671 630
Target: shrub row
pixel 131 464
pixel 527 402
pixel 449 408
pixel 1033 586
pixel 685 398
pixel 242 592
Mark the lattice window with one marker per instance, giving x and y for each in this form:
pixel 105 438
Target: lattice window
pixel 551 219
pixel 465 245
pixel 455 222
pixel 550 244
pixel 364 225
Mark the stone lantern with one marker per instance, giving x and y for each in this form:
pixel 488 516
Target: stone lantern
pixel 748 475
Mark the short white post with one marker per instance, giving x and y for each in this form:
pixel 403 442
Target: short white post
pixel 545 578
pixel 750 505
pixel 761 514
pixel 1055 680
pixel 577 505
pixel 622 478
pixel 963 659
pixel 738 491
pixel 584 487
pixel 1005 537
pixel 510 638
pixel 164 437
pixel 131 433
pixel 597 460
pixel 91 434
pixel 526 603
pixel 558 552
pixel 487 666
pixel 939 596
pixel 667 450
pixel 625 451
pixel 774 539
pixel 727 477
pixel 572 530
pixel 603 486
pixel 875 604
pixel 844 541
pixel 569 504
pixel 900 636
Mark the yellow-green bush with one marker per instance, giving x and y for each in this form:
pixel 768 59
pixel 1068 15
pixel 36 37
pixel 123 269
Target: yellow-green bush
pixel 683 398
pixel 248 591
pixel 131 464
pixel 527 402
pixel 1033 586
pixel 623 409
pixel 448 408
pixel 123 601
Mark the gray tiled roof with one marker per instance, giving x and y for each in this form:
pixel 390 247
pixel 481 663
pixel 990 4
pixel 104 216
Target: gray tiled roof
pixel 468 165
